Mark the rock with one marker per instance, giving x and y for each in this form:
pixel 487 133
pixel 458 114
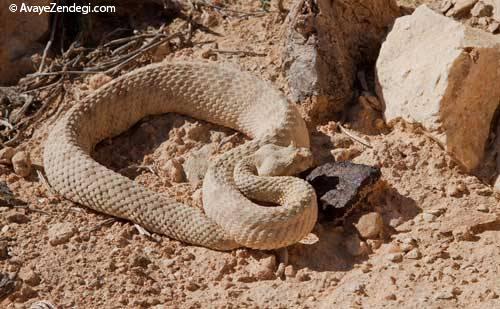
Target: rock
pixel 483 208
pixel 436 71
pixel 324 42
pixel 394 257
pixel 4 251
pixel 22 163
pixel 302 276
pixel 29 277
pixel 370 225
pixel 463 233
pixel 461 7
pixel 60 233
pixel 481 10
pixel 174 171
pixel 428 217
pixel 390 297
pixel 264 269
pixel 140 261
pixel 493 27
pixel 20 38
pixel 17 217
pixel 290 271
pixel 6 155
pixel 413 254
pixel 192 286
pixel 340 185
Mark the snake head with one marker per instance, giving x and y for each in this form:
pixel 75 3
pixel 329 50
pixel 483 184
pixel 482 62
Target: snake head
pixel 274 160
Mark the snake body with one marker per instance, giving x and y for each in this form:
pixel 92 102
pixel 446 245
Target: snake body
pixel 219 94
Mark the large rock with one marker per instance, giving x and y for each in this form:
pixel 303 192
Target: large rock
pixel 325 43
pixel 21 35
pixel 444 75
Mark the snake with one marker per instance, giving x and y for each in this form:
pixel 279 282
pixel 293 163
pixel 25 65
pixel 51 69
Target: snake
pixel 250 195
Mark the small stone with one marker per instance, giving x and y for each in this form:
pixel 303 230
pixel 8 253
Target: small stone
pixel 168 263
pixel 174 171
pixel 61 233
pixel 290 271
pixel 191 286
pixel 302 275
pixel 413 254
pixel 22 163
pixel 141 261
pixel 493 27
pixel 206 53
pixel 266 268
pixel 370 225
pixel 427 217
pixel 29 277
pixel 456 189
pixel 395 257
pixel 483 208
pixel 390 297
pixel 481 10
pixel 445 6
pixel 16 217
pixel 6 155
pixel 374 244
pixel 4 251
pixel 463 233
pixel 366 267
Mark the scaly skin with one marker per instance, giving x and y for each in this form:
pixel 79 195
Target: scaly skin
pixel 220 94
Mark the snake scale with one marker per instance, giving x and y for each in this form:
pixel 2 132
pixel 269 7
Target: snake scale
pixel 217 93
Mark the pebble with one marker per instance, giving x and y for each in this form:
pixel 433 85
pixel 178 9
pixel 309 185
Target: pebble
pixel 22 163
pixel 19 218
pixel 290 271
pixel 61 233
pixel 370 225
pixel 374 244
pixel 29 277
pixel 390 297
pixel 6 155
pixel 191 286
pixel 428 217
pixel 266 268
pixel 494 26
pixel 302 276
pixel 141 261
pixel 463 233
pixel 413 254
pixel 4 251
pixel 395 257
pixel 483 208
pixel 174 171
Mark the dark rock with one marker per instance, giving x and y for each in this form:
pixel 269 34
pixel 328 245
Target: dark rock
pixel 340 185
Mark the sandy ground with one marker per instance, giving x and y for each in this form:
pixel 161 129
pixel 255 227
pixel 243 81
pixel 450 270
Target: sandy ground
pixel 440 245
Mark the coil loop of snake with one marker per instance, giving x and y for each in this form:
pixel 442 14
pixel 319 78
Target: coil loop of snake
pixel 258 170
